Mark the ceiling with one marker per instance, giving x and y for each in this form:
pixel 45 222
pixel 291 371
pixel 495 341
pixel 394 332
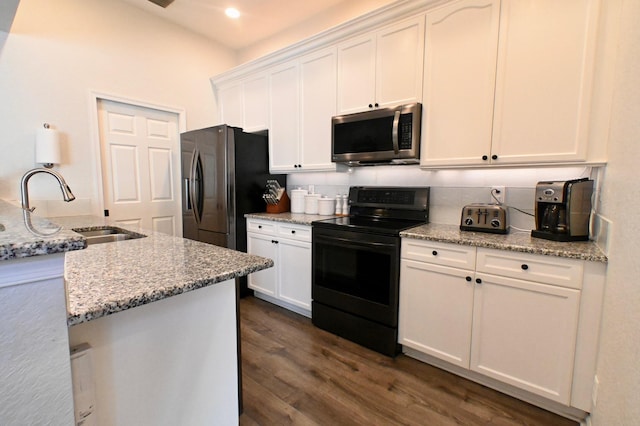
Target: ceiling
pixel 260 19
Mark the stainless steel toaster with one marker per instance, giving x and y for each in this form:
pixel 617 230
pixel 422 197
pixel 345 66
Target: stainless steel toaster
pixel 484 218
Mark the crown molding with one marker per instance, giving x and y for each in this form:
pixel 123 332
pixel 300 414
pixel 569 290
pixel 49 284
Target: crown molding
pixel 370 21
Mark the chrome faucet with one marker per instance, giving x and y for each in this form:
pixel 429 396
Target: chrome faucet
pixel 67 195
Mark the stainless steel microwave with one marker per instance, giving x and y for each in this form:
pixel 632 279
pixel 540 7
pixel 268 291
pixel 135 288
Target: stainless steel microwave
pixel 380 136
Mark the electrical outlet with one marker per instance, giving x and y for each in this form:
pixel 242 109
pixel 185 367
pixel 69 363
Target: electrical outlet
pixel 498 192
pixel 594 391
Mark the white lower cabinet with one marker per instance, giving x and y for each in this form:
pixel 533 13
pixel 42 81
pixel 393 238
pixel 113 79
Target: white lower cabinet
pixel 288 283
pixel 520 319
pixel 524 334
pixel 432 294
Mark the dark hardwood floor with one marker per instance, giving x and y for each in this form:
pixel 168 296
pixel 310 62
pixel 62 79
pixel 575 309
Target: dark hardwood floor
pixel 295 373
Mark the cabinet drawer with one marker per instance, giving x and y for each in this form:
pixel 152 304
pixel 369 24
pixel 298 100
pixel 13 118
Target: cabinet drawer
pixel 532 267
pixel 261 226
pixel 294 232
pixel 454 255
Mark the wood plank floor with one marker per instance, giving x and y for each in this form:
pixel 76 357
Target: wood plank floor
pixel 295 373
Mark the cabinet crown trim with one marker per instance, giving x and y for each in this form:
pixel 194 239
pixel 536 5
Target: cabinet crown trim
pixel 375 19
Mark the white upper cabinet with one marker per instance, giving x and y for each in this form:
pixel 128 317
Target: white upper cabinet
pixel 543 90
pixel 256 103
pixel 284 126
pixel 245 103
pixel 502 82
pixel 508 82
pixel 382 68
pixel 230 104
pixel 317 105
pixel 460 63
pixel 302 102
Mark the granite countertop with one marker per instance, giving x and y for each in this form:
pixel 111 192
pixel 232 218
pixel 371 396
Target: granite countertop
pixel 514 241
pixel 288 217
pixel 107 278
pixel 26 235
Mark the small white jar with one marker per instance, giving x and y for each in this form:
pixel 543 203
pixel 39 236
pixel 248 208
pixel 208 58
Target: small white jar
pixel 297 200
pixel 311 203
pixel 326 206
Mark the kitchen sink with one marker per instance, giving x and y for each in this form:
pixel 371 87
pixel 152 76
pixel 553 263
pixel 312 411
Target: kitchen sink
pixel 106 234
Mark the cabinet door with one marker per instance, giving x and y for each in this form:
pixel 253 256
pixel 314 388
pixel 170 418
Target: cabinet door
pixel 318 80
pixel 524 333
pixel 263 245
pixel 284 118
pixel 399 63
pixel 295 273
pixel 230 104
pixel 436 305
pixel 356 74
pixel 459 82
pixel 256 103
pixel 545 63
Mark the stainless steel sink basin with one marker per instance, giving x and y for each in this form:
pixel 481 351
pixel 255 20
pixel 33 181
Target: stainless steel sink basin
pixel 106 234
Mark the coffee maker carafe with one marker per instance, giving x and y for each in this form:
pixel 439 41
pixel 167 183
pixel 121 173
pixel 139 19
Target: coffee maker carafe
pixel 563 210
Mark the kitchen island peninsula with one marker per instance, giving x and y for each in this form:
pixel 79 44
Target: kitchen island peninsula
pixel 172 359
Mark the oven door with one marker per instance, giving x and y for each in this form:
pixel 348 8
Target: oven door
pixel 357 273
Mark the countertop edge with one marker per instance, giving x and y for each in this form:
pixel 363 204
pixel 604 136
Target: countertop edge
pixel 288 217
pixel 116 276
pixel 587 251
pixel 521 242
pixel 26 235
pixel 145 298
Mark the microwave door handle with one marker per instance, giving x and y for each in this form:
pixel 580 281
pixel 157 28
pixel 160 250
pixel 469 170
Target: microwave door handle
pixel 394 132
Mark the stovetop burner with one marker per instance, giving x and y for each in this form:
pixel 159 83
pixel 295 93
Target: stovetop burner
pixel 383 210
pixel 368 224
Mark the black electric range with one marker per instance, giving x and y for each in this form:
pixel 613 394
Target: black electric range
pixel 356 264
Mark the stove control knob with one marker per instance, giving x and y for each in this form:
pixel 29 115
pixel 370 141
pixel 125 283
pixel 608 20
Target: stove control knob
pixel 495 223
pixel 468 221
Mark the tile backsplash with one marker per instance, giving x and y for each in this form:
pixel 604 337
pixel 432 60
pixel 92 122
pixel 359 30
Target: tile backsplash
pixel 450 189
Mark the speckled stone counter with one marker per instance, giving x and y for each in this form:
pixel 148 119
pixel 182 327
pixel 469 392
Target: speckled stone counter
pixel 107 278
pixel 514 241
pixel 297 218
pixel 20 239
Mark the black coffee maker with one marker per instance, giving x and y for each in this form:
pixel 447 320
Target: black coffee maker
pixel 563 210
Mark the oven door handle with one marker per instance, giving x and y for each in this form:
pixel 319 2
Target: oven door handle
pixel 350 243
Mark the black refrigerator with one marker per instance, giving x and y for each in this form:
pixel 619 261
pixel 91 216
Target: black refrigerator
pixel 224 174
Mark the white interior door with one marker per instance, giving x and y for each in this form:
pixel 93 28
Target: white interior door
pixel 140 154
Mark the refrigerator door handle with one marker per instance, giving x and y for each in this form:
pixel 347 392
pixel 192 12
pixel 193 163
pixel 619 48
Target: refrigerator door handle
pixel 187 192
pixel 194 187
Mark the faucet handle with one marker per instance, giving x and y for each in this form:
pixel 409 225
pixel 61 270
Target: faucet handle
pixel 29 210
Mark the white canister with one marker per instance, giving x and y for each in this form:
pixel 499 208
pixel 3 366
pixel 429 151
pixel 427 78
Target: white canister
pixel 297 200
pixel 326 206
pixel 311 203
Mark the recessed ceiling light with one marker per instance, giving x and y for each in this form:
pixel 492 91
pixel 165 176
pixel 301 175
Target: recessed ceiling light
pixel 232 12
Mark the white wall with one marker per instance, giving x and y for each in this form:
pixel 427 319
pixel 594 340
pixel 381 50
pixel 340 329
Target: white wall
pixel 35 377
pixel 618 367
pixel 332 17
pixel 59 51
